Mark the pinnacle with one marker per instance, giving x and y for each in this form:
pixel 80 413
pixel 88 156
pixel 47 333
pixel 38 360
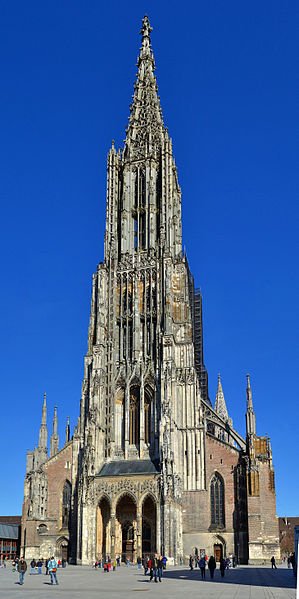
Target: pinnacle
pixel 146 27
pixel 220 405
pixel 145 129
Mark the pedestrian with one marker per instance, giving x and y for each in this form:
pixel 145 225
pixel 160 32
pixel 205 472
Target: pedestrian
pixel 222 566
pixel 22 567
pixel 52 567
pixel 202 565
pixel 139 563
pixel 39 566
pixel 212 566
pixel 191 562
pixel 155 568
pixel 150 567
pixel 32 566
pixel 293 563
pixel 46 564
pixel 164 561
pixel 273 562
pixel 160 568
pixel 145 566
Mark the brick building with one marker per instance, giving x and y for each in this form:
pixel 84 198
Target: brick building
pixel 152 465
pixel 10 537
pixel 287 534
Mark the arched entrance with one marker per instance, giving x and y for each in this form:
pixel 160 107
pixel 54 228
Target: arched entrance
pixel 126 525
pixel 103 529
pixel 62 548
pixel 219 548
pixel 148 527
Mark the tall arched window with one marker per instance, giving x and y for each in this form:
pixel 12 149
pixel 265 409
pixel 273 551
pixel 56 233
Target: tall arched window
pixel 147 419
pixel 217 502
pixel 134 417
pixel 66 504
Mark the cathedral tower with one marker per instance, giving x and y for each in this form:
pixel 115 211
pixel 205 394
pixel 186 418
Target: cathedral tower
pixel 151 467
pixel 141 410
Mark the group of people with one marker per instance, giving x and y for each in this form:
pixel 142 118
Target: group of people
pixel 107 564
pixel 154 566
pixel 51 566
pixel 203 562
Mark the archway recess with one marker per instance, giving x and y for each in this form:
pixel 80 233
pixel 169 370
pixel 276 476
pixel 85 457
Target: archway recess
pixel 126 528
pixel 103 529
pixel 149 525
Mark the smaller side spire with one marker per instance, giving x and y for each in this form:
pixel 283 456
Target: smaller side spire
pixel 220 405
pixel 43 431
pixel 250 415
pixel 54 441
pixel 67 430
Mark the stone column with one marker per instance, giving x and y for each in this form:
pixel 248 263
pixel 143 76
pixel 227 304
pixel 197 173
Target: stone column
pixel 126 415
pixel 112 533
pixel 158 529
pixel 139 529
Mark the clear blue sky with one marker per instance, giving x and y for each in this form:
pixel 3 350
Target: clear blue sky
pixel 226 73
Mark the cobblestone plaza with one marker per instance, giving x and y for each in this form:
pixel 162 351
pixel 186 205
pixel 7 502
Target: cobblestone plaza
pixel 79 581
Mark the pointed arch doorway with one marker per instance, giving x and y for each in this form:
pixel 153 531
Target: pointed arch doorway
pixel 126 528
pixel 149 523
pixel 103 528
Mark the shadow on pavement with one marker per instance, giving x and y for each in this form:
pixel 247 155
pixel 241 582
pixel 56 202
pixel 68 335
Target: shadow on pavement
pixel 262 577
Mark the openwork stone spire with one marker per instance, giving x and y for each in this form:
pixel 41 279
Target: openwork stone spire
pixel 54 441
pixel 250 415
pixel 145 130
pixel 43 431
pixel 220 405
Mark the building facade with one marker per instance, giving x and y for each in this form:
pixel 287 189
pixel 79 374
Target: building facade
pixel 10 537
pixel 151 466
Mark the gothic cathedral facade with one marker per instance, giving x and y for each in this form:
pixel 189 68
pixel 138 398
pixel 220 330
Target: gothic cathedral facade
pixel 152 466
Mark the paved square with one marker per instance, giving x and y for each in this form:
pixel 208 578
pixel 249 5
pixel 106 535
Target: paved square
pixel 244 582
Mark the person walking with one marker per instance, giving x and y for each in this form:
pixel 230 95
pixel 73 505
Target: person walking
pixel 145 565
pixel 22 567
pixel 39 566
pixel 273 562
pixel 293 563
pixel 160 568
pixel 191 562
pixel 202 565
pixel 222 566
pixel 32 566
pixel 212 566
pixel 52 567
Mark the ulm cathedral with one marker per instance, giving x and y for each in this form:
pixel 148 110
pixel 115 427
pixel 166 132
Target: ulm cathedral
pixel 151 466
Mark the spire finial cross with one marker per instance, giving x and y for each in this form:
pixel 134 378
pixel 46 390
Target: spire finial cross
pixel 146 27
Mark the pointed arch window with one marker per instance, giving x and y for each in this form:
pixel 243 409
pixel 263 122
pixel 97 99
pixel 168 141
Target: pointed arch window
pixel 134 417
pixel 147 419
pixel 66 504
pixel 217 501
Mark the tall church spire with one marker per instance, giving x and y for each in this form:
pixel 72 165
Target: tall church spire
pixel 43 431
pixel 250 415
pixel 145 130
pixel 67 430
pixel 54 442
pixel 220 405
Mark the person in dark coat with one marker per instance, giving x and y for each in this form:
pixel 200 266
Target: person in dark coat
pixel 212 566
pixel 202 565
pixel 222 567
pixel 273 562
pixel 22 567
